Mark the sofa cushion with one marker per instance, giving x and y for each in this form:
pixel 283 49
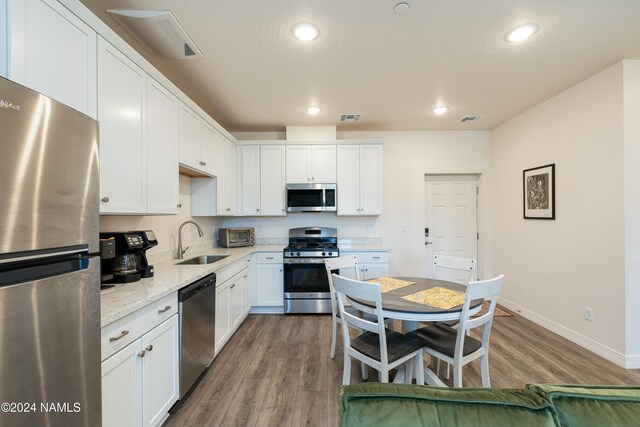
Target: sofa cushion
pixel 589 405
pixel 375 404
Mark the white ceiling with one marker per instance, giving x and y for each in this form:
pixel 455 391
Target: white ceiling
pixel 393 69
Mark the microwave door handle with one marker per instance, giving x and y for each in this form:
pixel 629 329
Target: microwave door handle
pixel 324 198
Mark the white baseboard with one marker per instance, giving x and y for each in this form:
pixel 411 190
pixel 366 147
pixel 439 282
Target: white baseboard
pixel 627 362
pixel 267 310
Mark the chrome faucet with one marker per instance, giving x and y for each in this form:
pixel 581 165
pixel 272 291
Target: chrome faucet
pixel 180 250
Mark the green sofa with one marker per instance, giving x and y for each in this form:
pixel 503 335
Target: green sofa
pixel 539 405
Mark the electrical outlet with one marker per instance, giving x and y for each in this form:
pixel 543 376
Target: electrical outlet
pixel 588 314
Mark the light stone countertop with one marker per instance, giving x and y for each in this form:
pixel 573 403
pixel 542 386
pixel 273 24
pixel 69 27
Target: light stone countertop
pixel 124 299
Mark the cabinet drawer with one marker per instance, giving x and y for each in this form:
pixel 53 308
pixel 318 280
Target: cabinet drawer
pixel 373 257
pixel 128 329
pixel 228 272
pixel 270 258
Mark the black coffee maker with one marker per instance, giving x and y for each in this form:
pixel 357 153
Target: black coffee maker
pixel 130 261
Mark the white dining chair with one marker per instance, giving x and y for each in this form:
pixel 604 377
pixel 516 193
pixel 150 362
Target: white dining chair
pixel 455 346
pixel 378 347
pixel 343 265
pixel 455 269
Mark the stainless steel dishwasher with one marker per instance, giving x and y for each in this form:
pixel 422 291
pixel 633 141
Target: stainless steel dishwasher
pixel 197 303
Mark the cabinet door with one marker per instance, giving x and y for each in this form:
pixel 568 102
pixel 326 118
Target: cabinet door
pixel 348 179
pixel 272 180
pixel 230 184
pixel 162 149
pixel 223 315
pixel 323 164
pixel 245 286
pixel 270 285
pixel 189 137
pixel 161 365
pixel 373 271
pixel 370 179
pixel 53 52
pixel 249 183
pixel 235 295
pixel 122 388
pixel 208 137
pixel 298 164
pixel 122 104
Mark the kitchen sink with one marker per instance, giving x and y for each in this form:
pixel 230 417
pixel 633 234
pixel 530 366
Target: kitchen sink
pixel 203 259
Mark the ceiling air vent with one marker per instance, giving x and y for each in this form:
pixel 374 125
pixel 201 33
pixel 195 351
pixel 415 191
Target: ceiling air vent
pixel 160 31
pixel 349 117
pixel 469 119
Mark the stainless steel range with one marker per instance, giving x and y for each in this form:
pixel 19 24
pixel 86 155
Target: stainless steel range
pixel 306 287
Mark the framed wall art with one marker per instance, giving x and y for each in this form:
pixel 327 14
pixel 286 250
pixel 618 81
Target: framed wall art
pixel 539 192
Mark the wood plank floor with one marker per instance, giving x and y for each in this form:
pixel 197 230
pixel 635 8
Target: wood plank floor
pixel 276 371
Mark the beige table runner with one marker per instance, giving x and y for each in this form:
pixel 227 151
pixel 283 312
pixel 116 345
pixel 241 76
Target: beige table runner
pixel 388 284
pixel 437 297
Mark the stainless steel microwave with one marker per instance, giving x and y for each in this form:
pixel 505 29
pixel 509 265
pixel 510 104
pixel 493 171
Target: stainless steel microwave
pixel 311 197
pixel 235 237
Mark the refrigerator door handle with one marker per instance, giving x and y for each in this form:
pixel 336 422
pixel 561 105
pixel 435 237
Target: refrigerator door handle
pixel 43 254
pixel 43 270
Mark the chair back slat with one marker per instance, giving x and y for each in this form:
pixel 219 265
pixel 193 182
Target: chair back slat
pixel 461 270
pixel 487 290
pixel 344 265
pixel 363 291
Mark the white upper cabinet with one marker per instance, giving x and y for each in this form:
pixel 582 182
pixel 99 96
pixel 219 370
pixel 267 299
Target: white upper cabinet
pixel 122 87
pixel 272 180
pixel 197 142
pixel 261 180
pixel 53 52
pixel 359 180
pixel 225 171
pixel 248 161
pixel 162 148
pixel 311 164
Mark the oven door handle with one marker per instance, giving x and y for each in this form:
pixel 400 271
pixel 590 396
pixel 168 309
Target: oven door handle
pixel 304 260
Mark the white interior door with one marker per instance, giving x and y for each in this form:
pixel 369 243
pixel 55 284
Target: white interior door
pixel 451 217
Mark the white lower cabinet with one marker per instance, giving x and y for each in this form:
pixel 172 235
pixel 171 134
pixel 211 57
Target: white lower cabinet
pixel 371 264
pixel 233 300
pixel 269 280
pixel 140 380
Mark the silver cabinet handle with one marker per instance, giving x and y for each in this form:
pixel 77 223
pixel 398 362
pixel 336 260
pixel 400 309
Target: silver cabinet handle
pixel 313 178
pixel 376 257
pixel 203 163
pixel 122 334
pixel 149 347
pixel 142 353
pixel 428 243
pixel 280 270
pixel 105 199
pixel 179 205
pixel 257 210
pixel 165 309
pixel 245 276
pixel 233 286
pixel 269 257
pixel 282 210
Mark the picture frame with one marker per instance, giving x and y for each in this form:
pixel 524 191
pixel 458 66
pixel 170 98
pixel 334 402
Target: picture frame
pixel 539 192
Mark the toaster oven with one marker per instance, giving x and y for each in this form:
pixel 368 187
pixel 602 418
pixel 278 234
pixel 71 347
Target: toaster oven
pixel 235 237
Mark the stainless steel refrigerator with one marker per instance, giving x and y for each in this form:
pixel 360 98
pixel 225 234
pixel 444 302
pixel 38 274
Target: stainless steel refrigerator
pixel 49 271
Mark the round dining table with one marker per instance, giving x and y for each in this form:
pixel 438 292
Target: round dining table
pixel 411 313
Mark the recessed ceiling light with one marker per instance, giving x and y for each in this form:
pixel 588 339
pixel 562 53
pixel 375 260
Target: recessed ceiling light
pixel 313 110
pixel 521 33
pixel 440 109
pixel 305 31
pixel 401 8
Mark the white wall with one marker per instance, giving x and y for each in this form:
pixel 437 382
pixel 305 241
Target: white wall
pixel 554 269
pixel 631 76
pixel 407 157
pixel 166 226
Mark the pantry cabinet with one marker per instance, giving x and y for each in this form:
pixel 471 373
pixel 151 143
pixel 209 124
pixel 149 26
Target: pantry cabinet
pixel 50 51
pixel 359 179
pixel 311 164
